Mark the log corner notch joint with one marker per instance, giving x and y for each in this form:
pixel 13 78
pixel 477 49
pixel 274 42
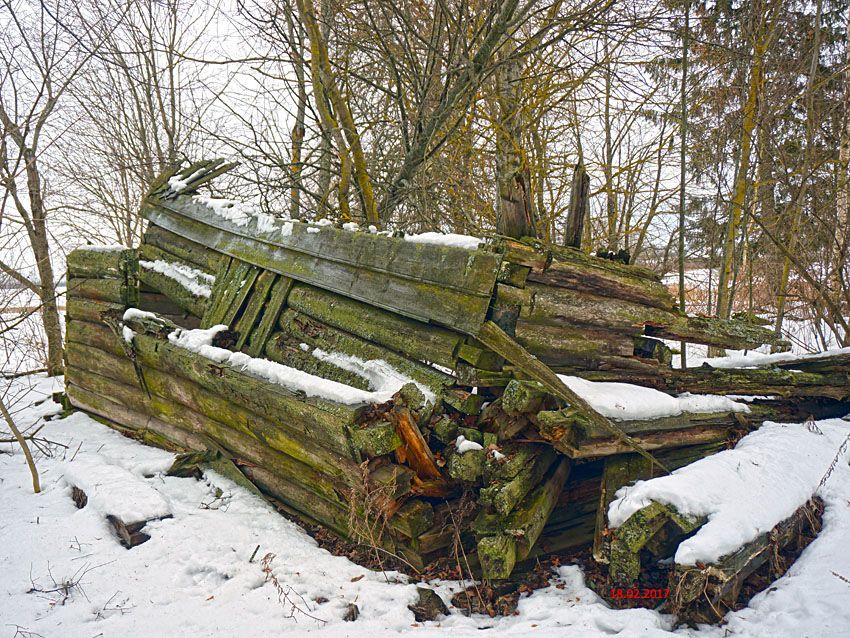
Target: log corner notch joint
pixel 481 335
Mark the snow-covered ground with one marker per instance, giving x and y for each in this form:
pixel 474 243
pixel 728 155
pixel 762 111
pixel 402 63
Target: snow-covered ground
pixel 195 577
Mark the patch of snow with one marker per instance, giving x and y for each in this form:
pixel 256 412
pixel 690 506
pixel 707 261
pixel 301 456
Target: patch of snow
pixel 624 401
pixel 752 359
pixel 128 334
pixel 200 342
pixel 498 455
pixel 351 226
pixel 743 492
pixel 197 282
pixel 243 213
pixel 135 313
pixel 313 229
pixel 111 248
pixel 112 490
pixel 463 445
pixel 445 239
pixel 382 377
pixel 178 185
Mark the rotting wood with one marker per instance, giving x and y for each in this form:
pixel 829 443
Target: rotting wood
pixel 496 339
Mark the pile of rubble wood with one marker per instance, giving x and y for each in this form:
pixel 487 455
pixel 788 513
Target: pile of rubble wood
pixel 482 445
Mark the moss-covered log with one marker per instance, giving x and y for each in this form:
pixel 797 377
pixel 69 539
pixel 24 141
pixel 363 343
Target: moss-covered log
pixel 641 530
pixel 570 346
pixel 278 435
pixel 77 307
pixel 287 351
pixel 310 417
pixel 318 334
pixel 413 339
pixel 96 263
pixel 576 270
pixel 183 249
pixel 526 522
pixel 103 289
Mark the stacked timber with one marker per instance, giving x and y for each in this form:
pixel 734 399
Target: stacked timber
pixel 403 394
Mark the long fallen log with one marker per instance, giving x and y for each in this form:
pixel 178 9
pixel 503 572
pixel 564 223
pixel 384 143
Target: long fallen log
pixel 580 439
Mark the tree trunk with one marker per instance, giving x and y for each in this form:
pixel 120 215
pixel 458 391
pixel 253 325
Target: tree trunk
pixel 514 213
pixel 41 251
pixel 739 193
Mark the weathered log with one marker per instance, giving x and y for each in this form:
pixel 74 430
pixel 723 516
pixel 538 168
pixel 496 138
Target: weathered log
pixel 731 333
pixel 776 382
pixel 571 346
pixel 569 439
pixel 77 307
pixel 497 555
pixel 641 530
pixel 577 212
pixel 183 249
pixel 413 339
pixel 576 270
pixel 96 263
pixel 310 417
pixel 135 424
pixel 112 290
pixel 287 351
pixel 174 290
pixel 278 436
pixel 317 334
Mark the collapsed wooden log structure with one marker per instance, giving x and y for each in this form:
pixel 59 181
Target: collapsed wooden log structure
pixel 270 341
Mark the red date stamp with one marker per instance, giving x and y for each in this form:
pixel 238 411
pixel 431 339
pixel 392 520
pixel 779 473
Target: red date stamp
pixel 632 593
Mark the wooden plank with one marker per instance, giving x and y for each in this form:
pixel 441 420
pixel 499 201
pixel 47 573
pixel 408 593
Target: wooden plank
pixel 270 313
pixel 235 286
pixel 449 286
pixel 256 302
